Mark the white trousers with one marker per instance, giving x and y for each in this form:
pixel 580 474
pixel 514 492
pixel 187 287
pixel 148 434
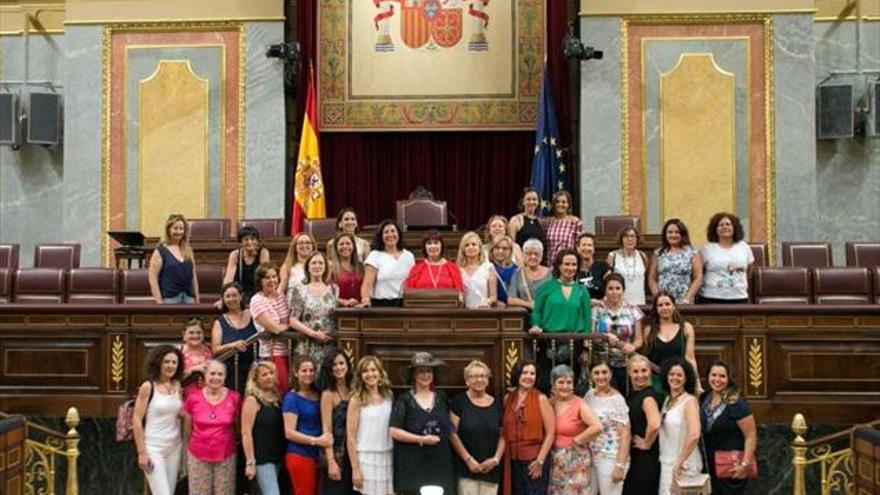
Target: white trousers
pixel 166 464
pixel 600 481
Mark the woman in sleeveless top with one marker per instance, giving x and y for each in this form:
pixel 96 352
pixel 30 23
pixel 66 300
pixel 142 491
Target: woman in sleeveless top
pixel 346 269
pixel 644 417
pixel 271 314
pixel 680 430
pixel 591 272
pixel 156 420
pixel 262 428
pixel 611 448
pixel 387 267
pixel 525 282
pixel 503 264
pixel 335 381
pixel 666 335
pixel 195 355
pixel 576 426
pixel 243 262
pixel 313 308
pixel 477 274
pixel 526 225
pixel 293 272
pixel 172 266
pixel 347 223
pixel 230 333
pixel 678 266
pixel 434 271
pixel 631 263
pixel 368 437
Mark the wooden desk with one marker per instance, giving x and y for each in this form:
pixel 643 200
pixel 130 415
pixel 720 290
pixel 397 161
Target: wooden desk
pixel 822 361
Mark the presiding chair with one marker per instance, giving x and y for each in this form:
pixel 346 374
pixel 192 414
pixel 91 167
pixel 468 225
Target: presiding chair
pixel 612 224
pixel 268 227
pixel 209 228
pixel 320 228
pixel 423 214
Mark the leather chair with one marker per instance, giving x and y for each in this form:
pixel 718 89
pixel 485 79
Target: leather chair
pixel 268 227
pixel 40 285
pixel 9 256
pixel 6 285
pixel 64 256
pixel 807 254
pixel 759 251
pixel 134 286
pixel 783 285
pixel 92 286
pixel 320 228
pixel 612 224
pixel 850 285
pixel 210 282
pixel 422 213
pixel 862 253
pixel 209 228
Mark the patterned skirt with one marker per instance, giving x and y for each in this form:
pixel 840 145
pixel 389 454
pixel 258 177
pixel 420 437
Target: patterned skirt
pixel 378 471
pixel 570 470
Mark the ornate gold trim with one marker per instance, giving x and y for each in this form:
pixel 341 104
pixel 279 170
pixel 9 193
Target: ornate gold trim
pixel 770 141
pixel 624 114
pixel 350 348
pixel 167 27
pixel 756 364
pixel 117 362
pixel 512 351
pixel 87 22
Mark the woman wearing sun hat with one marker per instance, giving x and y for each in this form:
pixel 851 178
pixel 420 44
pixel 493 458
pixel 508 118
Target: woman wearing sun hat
pixel 420 428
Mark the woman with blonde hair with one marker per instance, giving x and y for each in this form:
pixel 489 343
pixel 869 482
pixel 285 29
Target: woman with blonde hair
pixel 368 435
pixel 346 268
pixel 503 263
pixel 293 270
pixel 172 265
pixel 262 427
pixel 496 228
pixel 477 274
pixel 644 418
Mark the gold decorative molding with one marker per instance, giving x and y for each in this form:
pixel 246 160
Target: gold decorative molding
pixel 697 139
pixel 770 140
pixel 134 11
pixel 847 10
pixel 117 362
pixel 624 115
pixel 512 350
pixel 755 363
pixel 37 17
pixel 350 348
pixel 615 8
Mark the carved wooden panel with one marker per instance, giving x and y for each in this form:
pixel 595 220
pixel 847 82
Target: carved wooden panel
pixel 51 362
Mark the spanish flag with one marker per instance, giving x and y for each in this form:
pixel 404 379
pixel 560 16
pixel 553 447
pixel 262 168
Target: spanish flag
pixel 308 195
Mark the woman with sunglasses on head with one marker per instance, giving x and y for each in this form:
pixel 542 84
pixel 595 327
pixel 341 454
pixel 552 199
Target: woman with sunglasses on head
pixel 729 432
pixel 243 262
pixel 335 381
pixel 347 223
pixel 346 269
pixel 230 333
pixel 621 323
pixel 678 266
pixel 293 269
pixel 262 428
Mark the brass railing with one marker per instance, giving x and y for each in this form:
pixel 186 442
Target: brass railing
pixel 835 466
pixel 44 447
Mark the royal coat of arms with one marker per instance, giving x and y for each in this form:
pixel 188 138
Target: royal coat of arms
pixel 431 24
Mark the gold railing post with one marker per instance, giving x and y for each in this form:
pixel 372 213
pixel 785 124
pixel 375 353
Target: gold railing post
pixel 798 447
pixel 72 452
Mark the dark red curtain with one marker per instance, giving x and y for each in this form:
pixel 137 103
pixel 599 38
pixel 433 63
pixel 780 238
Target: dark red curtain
pixel 477 173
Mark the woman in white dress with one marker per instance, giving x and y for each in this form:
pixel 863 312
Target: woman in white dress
pixel 368 436
pixel 293 270
pixel 477 274
pixel 631 263
pixel 680 431
pixel 611 448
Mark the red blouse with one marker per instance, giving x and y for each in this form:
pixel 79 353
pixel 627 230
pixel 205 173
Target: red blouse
pixel 425 276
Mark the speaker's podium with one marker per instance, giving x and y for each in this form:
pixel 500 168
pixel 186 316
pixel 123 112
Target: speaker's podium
pixel 431 298
pixel 131 248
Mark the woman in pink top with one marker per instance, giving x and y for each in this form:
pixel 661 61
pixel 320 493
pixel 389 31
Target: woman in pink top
pixel 195 355
pixel 271 314
pixel 212 420
pixel 576 426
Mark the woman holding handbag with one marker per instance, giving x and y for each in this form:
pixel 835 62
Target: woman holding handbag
pixel 729 432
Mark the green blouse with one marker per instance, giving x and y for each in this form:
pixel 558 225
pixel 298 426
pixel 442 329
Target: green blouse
pixel 554 313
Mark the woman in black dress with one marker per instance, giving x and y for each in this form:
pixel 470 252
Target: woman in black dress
pixel 420 428
pixel 644 418
pixel 526 225
pixel 231 332
pixel 335 383
pixel 665 335
pixel 477 440
pixel 728 425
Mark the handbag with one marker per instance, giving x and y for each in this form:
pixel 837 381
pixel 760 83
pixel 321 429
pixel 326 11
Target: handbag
pixel 694 484
pixel 727 460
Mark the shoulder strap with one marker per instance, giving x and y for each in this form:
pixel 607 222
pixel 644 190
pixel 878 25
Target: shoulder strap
pixel 152 389
pixel 613 259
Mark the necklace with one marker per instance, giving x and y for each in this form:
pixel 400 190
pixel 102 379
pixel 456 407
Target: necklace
pixel 213 407
pixel 629 267
pixel 435 279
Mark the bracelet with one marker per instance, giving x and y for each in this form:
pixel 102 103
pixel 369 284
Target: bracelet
pixel 745 464
pixel 468 459
pixel 312 441
pixel 497 460
pixel 250 462
pixel 620 465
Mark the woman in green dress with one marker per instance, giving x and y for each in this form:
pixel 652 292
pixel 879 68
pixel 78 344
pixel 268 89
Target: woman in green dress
pixel 561 306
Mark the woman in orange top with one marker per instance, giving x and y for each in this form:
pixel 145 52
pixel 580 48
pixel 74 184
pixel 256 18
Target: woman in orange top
pixel 576 426
pixel 529 429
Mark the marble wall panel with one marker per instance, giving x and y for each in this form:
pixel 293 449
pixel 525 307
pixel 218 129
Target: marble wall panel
pixel 32 178
pixel 794 65
pixel 265 162
pixel 847 170
pixel 600 162
pixel 82 127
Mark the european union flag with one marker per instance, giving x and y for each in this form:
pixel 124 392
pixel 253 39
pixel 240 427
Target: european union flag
pixel 548 171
